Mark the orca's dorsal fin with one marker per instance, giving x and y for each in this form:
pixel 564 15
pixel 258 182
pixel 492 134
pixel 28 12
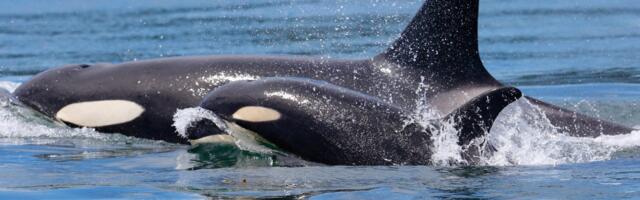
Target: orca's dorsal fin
pixel 476 117
pixel 443 39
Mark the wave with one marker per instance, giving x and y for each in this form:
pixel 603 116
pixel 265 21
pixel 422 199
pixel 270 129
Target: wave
pixel 577 76
pixel 522 135
pixel 24 72
pixel 565 12
pixel 214 8
pixel 518 39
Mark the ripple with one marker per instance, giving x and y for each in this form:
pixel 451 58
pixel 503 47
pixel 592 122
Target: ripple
pixel 577 76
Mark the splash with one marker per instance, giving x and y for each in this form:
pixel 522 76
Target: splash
pixel 247 150
pixel 9 86
pixel 183 119
pixel 446 150
pixel 523 135
pixel 244 139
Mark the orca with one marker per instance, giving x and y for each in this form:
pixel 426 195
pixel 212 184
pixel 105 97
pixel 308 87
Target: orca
pixel 329 124
pixel 438 49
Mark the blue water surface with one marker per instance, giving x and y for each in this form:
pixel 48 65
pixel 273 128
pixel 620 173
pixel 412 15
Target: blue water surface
pixel 581 54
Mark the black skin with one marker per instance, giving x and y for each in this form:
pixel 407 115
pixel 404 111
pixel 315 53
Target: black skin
pixel 438 48
pixel 203 128
pixel 329 124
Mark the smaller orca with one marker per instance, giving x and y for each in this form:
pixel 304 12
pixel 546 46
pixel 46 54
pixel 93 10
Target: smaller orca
pixel 325 123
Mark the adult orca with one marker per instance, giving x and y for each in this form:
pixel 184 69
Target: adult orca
pixel 329 124
pixel 438 48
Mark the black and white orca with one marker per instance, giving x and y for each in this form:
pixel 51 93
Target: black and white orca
pixel 439 49
pixel 329 124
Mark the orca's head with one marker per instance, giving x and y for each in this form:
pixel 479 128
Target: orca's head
pixel 246 102
pixel 205 131
pixel 201 126
pixel 52 89
pixel 270 108
pixel 79 95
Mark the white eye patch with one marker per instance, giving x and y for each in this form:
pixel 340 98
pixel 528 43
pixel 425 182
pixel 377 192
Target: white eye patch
pixel 100 113
pixel 256 114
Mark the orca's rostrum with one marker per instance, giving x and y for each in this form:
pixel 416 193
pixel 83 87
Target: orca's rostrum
pixel 439 48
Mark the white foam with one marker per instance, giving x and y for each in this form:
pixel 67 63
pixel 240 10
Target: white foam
pixel 184 160
pixel 185 118
pixel 623 141
pixel 8 85
pixel 19 122
pixel 244 139
pixel 523 135
pixel 23 123
pixel 446 150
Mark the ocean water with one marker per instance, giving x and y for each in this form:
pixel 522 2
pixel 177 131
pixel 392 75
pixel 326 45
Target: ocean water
pixel 580 54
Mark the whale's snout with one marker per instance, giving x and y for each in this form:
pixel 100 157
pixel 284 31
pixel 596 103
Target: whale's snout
pixel 201 129
pixel 204 131
pixel 37 92
pixel 50 90
pixel 199 125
